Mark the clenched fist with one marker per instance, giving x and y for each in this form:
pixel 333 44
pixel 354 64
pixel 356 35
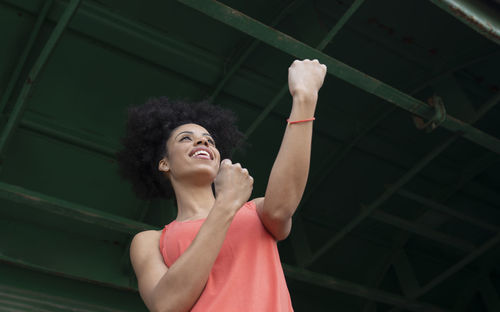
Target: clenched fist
pixel 306 77
pixel 233 184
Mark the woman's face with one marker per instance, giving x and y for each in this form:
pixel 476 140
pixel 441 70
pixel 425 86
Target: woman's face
pixel 191 154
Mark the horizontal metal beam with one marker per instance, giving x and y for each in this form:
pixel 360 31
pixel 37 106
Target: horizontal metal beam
pixel 338 69
pixel 357 290
pixel 422 231
pixel 446 210
pixel 71 210
pixel 475 14
pixel 22 59
pixel 330 164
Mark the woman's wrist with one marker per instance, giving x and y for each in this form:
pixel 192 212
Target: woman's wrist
pixel 305 97
pixel 226 205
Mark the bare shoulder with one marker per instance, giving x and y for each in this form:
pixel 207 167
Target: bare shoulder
pixel 145 251
pixel 145 239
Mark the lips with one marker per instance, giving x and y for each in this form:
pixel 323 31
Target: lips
pixel 201 153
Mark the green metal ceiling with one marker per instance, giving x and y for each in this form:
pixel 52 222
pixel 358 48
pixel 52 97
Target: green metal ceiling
pixel 393 218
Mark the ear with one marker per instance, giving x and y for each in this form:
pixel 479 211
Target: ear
pixel 163 165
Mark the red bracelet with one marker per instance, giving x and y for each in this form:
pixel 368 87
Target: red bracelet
pixel 297 121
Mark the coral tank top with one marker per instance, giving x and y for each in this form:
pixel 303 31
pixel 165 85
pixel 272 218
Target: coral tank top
pixel 247 274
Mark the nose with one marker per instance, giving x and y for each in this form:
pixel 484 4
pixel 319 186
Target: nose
pixel 202 140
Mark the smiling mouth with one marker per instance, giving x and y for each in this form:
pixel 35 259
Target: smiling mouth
pixel 201 154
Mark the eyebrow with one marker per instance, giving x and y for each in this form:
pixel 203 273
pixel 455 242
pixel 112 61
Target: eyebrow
pixel 191 132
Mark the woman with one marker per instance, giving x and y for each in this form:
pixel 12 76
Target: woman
pixel 220 253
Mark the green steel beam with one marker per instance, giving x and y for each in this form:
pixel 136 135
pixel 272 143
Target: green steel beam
pixel 446 210
pixel 338 69
pixel 284 89
pixel 20 103
pixel 357 290
pixel 422 231
pixel 330 164
pixel 366 211
pixel 474 14
pixel 255 43
pixel 468 174
pixel 71 210
pixel 22 59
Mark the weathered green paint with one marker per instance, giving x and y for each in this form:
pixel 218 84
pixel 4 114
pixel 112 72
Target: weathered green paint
pixel 20 103
pixel 338 69
pixel 331 164
pixel 474 14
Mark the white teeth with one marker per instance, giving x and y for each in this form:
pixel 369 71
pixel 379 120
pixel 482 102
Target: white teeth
pixel 201 152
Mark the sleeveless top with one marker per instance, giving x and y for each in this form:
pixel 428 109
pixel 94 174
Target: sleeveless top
pixel 247 274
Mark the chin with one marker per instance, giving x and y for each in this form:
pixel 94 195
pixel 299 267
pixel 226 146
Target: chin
pixel 207 174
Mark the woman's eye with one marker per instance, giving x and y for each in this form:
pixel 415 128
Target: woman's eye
pixel 211 141
pixel 186 137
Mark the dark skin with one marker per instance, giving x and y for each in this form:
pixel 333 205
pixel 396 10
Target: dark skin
pixel 192 165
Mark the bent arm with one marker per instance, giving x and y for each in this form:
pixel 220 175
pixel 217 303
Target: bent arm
pixel 289 173
pixel 182 284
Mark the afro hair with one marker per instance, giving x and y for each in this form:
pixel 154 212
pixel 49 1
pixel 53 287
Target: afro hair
pixel 148 128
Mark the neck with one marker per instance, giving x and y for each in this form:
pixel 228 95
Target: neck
pixel 193 201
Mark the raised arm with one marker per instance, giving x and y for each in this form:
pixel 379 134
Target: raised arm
pixel 177 288
pixel 289 173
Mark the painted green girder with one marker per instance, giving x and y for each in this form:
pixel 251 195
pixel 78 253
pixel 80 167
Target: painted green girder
pixel 474 14
pixel 338 69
